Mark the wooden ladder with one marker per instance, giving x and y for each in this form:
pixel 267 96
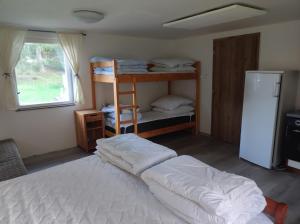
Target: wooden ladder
pixel 118 107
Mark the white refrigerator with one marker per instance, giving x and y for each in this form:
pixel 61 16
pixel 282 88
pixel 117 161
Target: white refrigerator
pixel 268 96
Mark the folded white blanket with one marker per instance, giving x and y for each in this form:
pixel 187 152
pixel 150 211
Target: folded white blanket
pixel 120 61
pixel 139 153
pixel 179 110
pixel 125 116
pixel 230 197
pixel 117 161
pixel 110 108
pixel 194 214
pixel 172 62
pixel 183 208
pixel 121 70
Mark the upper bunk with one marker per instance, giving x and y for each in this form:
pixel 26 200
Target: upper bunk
pixel 144 76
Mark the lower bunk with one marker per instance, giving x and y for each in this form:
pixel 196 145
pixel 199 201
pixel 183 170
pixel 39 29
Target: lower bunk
pixel 154 123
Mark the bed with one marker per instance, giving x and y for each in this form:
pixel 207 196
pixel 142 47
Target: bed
pixel 85 191
pixel 153 120
pixel 103 70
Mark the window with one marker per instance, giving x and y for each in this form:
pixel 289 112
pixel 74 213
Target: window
pixel 43 76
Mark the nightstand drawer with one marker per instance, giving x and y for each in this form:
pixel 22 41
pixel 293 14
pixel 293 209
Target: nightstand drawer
pixel 93 117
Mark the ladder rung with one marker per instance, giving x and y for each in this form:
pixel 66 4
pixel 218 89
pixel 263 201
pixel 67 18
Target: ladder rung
pixel 127 122
pixel 127 92
pixel 128 106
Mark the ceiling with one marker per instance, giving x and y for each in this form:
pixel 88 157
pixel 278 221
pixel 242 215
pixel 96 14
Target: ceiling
pixel 136 17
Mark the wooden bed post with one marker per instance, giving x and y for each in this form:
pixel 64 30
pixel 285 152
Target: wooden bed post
pixel 116 98
pixel 197 97
pixel 134 104
pixel 93 86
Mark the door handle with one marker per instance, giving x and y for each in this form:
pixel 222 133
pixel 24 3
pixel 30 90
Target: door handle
pixel 276 89
pixel 296 131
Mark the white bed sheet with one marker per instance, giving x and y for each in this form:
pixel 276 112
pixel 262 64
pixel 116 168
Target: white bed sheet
pixel 85 191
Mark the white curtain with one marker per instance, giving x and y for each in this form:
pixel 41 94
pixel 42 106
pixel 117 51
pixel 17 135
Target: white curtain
pixel 71 44
pixel 11 44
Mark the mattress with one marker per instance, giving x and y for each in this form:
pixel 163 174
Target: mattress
pixel 152 120
pixel 85 191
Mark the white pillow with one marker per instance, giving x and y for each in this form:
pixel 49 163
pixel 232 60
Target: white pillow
pixel 179 110
pixel 170 102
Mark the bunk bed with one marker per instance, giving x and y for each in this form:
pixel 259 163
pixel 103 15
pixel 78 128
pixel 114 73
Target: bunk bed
pixel 159 127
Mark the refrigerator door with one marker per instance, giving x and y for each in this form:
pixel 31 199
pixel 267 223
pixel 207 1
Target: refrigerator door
pixel 259 117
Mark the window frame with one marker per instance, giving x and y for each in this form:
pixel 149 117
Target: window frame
pixel 37 37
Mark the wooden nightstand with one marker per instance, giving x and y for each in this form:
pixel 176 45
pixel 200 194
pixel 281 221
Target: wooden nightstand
pixel 89 127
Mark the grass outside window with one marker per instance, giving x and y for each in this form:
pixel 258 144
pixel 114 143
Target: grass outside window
pixel 43 76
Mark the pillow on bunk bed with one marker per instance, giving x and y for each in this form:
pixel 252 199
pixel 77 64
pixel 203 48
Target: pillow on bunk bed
pixel 179 110
pixel 170 102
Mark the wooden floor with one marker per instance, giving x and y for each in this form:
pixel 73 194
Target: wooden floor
pixel 282 186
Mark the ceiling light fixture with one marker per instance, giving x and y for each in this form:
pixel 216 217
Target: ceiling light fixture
pixel 88 16
pixel 217 16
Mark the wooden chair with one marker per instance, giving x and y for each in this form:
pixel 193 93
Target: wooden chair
pixel 11 163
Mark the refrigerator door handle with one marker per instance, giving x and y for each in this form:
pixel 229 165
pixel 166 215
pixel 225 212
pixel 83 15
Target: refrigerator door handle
pixel 276 89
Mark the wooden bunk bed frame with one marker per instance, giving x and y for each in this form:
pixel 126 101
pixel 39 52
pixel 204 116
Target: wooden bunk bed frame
pixel 117 79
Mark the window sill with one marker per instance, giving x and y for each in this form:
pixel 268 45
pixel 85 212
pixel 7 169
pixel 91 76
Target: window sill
pixel 42 107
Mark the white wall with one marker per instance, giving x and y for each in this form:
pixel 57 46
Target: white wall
pixel 42 131
pixel 279 50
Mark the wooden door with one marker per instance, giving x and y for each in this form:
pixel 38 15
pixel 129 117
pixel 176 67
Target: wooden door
pixel 232 57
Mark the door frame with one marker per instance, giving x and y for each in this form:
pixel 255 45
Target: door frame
pixel 257 35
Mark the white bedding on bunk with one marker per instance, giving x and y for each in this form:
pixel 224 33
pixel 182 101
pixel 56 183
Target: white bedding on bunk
pixel 139 66
pixel 85 191
pixel 147 117
pixel 142 73
pixel 99 71
pixel 121 61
